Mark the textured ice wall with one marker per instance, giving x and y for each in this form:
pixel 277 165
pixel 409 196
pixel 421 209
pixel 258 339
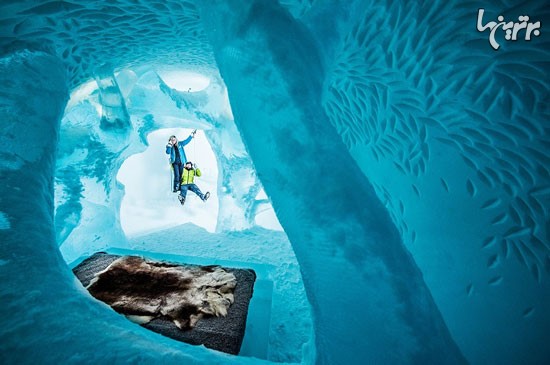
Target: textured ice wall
pixel 455 138
pixel 94 37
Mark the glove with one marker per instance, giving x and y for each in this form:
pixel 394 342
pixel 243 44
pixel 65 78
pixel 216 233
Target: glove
pixel 195 166
pixel 168 145
pixel 193 133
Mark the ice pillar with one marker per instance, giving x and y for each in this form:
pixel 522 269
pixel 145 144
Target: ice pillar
pixel 369 300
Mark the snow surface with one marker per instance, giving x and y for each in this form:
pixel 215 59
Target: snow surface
pixel 405 159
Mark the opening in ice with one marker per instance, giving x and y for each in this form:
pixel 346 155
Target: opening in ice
pixel 148 202
pixel 141 210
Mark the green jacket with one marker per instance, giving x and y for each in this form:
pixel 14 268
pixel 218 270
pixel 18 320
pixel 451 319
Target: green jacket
pixel 188 176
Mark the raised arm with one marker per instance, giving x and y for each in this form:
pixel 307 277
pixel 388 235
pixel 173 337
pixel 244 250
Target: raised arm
pixel 186 141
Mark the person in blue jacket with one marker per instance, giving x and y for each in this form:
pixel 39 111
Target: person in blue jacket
pixel 177 157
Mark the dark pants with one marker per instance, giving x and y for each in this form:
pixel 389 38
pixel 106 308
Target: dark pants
pixel 194 188
pixel 178 170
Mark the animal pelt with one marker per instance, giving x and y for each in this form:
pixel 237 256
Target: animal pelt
pixel 145 289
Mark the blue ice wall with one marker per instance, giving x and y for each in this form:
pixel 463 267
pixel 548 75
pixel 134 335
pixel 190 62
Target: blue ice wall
pixel 454 137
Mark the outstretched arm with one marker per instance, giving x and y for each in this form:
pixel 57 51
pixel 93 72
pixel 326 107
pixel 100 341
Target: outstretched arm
pixel 188 139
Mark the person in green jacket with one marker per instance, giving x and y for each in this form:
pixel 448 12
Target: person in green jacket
pixel 188 182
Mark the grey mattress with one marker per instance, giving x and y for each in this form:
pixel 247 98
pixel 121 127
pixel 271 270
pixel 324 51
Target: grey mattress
pixel 218 333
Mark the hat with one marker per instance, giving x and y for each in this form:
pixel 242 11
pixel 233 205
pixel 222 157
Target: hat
pixel 189 162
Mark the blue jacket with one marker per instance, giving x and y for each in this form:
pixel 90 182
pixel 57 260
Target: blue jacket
pixel 170 150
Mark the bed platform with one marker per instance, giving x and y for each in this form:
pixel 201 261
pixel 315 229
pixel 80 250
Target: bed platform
pixel 219 333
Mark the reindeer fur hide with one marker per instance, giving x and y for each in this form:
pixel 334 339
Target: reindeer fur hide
pixel 143 290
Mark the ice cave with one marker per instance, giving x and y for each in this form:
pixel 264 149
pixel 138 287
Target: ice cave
pixel 382 166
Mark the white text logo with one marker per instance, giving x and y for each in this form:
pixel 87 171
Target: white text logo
pixel 512 29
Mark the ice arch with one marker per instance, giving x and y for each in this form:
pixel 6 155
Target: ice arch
pixel 452 136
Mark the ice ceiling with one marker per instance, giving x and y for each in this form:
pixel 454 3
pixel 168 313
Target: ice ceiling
pixel 406 160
